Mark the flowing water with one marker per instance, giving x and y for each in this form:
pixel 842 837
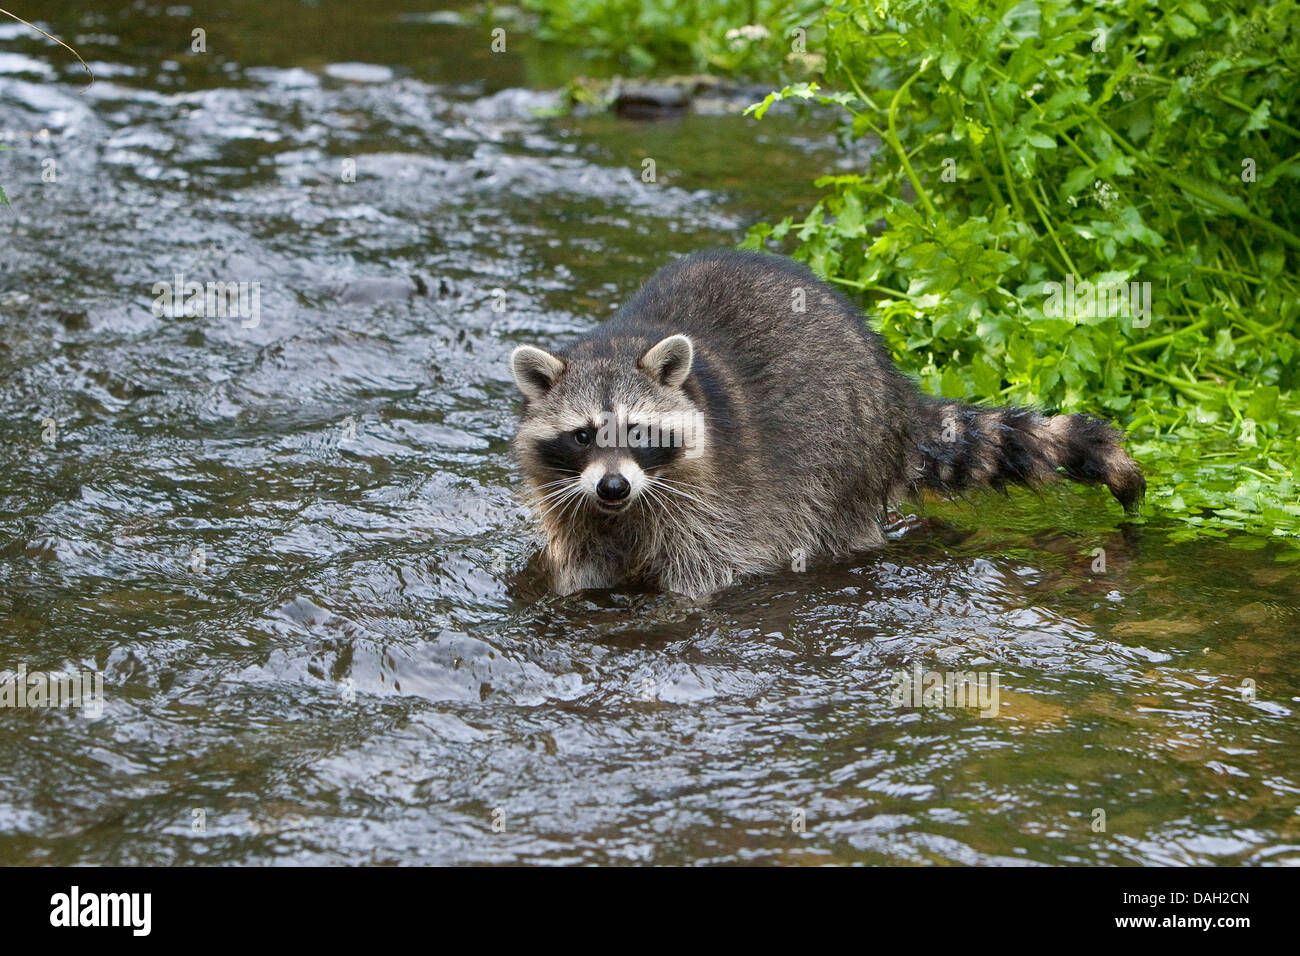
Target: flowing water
pixel 290 545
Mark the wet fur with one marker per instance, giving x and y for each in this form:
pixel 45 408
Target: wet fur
pixel 811 433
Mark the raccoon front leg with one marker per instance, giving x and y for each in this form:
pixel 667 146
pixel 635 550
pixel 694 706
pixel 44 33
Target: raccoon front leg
pixel 572 571
pixel 695 575
pixel 695 585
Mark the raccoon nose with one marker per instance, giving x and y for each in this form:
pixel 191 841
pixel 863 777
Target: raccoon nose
pixel 613 488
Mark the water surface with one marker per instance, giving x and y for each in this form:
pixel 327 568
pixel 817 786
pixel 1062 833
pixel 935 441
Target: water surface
pixel 295 553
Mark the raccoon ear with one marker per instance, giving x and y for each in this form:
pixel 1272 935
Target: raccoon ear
pixel 669 361
pixel 535 371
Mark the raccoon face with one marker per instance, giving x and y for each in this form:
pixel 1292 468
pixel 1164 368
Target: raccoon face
pixel 605 424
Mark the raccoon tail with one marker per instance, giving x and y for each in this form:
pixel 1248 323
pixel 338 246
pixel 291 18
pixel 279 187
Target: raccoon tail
pixel 969 446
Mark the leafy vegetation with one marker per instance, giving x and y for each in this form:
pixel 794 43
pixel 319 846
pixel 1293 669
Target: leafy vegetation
pixel 743 37
pixel 1029 155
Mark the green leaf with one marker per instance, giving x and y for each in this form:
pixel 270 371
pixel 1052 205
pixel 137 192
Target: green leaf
pixel 1263 403
pixel 949 60
pixel 1181 26
pixel 951 384
pixel 1258 118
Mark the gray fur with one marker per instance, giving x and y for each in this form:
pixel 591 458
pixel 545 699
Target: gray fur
pixel 809 432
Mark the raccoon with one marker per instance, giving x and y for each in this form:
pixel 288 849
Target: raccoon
pixel 737 415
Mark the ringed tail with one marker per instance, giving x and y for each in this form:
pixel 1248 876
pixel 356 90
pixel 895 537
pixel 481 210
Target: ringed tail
pixel 964 447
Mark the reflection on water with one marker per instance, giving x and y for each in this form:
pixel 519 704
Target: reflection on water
pixel 293 550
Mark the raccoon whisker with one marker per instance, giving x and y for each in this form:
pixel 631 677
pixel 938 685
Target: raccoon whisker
pixel 670 481
pixel 568 486
pixel 659 491
pixel 660 511
pixel 569 493
pixel 558 485
pixel 541 494
pixel 663 483
pixel 575 501
pixel 702 510
pixel 548 506
pixel 575 493
pixel 653 498
pixel 563 482
pixel 556 499
pixel 561 510
pixel 680 488
pixel 553 484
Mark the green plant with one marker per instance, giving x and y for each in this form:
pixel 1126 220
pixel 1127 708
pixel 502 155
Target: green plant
pixel 730 36
pixel 1028 143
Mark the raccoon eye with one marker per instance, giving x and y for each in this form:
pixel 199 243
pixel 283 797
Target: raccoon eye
pixel 582 436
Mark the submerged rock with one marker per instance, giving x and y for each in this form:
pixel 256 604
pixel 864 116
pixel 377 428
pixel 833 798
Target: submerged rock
pixel 652 100
pixel 668 97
